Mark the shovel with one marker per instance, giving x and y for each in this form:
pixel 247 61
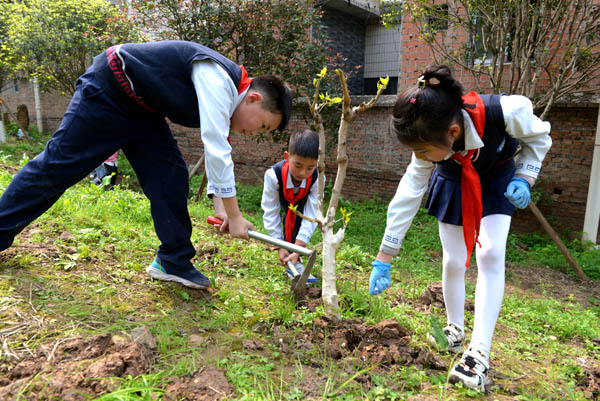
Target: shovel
pixel 298 286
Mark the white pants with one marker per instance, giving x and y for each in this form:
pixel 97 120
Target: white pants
pixel 490 276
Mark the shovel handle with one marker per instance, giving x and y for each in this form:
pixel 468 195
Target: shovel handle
pixel 215 221
pixel 292 268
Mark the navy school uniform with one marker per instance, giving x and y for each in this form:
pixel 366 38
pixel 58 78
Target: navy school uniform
pixel 284 203
pixel 113 110
pixel 494 164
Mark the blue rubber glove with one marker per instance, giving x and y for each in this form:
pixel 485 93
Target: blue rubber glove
pixel 518 192
pixel 380 277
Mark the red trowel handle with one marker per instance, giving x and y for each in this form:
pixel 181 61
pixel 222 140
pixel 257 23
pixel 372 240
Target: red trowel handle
pixel 215 221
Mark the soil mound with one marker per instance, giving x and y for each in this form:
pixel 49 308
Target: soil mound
pixel 386 343
pixel 75 369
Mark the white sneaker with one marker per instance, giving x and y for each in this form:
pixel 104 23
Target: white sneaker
pixel 472 371
pixel 455 337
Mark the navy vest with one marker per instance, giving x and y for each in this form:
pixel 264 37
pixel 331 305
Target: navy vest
pixel 284 203
pixel 495 157
pixel 161 76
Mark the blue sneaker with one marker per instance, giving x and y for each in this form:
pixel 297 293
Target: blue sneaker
pixel 300 269
pixel 191 278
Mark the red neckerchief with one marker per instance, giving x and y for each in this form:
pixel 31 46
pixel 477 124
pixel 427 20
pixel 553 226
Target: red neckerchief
pixel 470 186
pixel 244 81
pixel 288 194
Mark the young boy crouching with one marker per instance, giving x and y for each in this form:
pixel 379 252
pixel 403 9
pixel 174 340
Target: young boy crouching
pixel 293 181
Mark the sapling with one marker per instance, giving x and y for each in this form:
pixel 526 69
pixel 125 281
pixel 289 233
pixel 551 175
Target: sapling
pixel 326 220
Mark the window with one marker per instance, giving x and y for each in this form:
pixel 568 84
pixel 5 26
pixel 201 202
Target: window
pixel 382 57
pixel 371 86
pixel 483 35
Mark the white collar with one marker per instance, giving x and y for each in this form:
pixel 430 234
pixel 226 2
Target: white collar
pixel 472 139
pixel 290 182
pixel 240 97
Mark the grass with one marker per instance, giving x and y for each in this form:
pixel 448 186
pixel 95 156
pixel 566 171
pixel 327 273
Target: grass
pixel 79 270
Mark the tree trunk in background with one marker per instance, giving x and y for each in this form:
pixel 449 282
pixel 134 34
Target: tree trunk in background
pixel 38 105
pixel 2 133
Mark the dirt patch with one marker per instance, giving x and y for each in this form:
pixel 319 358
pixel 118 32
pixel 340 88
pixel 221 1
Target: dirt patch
pixel 591 382
pixel 433 296
pixel 205 385
pixel 75 369
pixel 549 282
pixel 386 343
pixel 311 384
pixel 8 168
pixel 24 244
pixel 313 298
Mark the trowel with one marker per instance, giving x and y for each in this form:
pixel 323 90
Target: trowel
pixel 298 285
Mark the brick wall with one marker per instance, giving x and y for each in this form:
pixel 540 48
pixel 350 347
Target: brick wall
pixel 377 160
pixel 417 55
pixel 566 172
pixel 53 105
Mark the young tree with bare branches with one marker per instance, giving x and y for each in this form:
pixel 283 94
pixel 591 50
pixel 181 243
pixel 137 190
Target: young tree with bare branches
pixel 327 219
pixel 547 50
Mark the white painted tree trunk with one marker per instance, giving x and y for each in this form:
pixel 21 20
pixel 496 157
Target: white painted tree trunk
pixel 38 105
pixel 2 132
pixel 331 243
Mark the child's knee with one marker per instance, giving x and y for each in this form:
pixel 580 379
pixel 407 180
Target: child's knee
pixel 454 265
pixel 490 258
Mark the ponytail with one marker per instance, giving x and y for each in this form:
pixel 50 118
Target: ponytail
pixel 423 113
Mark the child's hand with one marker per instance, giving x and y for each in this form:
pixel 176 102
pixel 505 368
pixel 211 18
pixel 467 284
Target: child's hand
pixel 380 277
pixel 222 216
pixel 283 254
pixel 518 192
pixel 238 227
pixel 292 257
pixel 225 224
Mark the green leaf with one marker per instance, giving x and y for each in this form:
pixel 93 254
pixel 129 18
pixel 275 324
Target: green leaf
pixel 438 333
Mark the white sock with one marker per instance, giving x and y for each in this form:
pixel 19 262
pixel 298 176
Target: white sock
pixel 490 280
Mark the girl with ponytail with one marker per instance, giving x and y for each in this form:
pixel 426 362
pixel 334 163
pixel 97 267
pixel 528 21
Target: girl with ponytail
pixel 469 143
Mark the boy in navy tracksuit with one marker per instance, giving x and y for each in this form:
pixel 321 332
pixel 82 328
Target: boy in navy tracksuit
pixel 121 103
pixel 293 181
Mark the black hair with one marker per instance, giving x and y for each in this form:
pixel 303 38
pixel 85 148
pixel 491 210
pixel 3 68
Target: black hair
pixel 305 144
pixel 423 113
pixel 277 96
